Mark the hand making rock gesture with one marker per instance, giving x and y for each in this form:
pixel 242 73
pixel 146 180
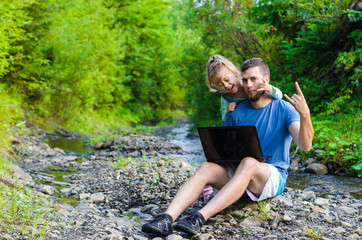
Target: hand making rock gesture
pixel 299 102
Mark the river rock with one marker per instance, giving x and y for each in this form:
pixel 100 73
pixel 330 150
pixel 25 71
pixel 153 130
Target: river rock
pixel 321 201
pixel 48 190
pixel 317 168
pixel 342 210
pixel 174 237
pixel 97 197
pixel 20 174
pixel 251 221
pixel 59 150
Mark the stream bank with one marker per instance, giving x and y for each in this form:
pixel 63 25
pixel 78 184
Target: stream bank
pixel 113 202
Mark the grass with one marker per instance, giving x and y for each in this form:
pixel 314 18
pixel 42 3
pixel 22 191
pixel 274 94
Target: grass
pixel 122 161
pixel 21 212
pixel 263 209
pixel 312 232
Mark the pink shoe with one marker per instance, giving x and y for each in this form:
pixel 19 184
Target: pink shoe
pixel 206 192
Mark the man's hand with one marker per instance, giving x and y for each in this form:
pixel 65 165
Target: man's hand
pixel 302 132
pixel 299 102
pixel 231 107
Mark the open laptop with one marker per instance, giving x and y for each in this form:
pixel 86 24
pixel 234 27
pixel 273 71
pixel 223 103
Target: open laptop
pixel 230 144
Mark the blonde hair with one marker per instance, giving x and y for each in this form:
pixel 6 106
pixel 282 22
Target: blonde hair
pixel 215 63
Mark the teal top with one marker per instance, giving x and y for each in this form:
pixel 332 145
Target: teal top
pixel 225 100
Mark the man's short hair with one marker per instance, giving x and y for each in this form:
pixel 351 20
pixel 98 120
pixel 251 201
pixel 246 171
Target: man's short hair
pixel 256 62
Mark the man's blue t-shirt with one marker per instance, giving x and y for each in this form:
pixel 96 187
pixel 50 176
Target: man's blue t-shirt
pixel 272 123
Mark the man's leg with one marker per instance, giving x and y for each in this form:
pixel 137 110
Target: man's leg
pixel 209 173
pixel 250 174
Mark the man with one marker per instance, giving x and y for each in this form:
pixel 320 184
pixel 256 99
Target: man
pixel 277 123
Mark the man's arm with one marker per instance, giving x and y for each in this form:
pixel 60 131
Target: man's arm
pixel 302 132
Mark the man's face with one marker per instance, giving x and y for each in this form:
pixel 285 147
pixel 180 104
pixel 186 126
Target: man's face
pixel 252 77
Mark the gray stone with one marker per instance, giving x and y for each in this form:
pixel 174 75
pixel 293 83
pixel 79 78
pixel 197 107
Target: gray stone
pixel 358 231
pixel 341 210
pixel 84 196
pixel 20 174
pixel 44 146
pixel 310 161
pixel 307 195
pixel 69 158
pixel 174 237
pixel 251 221
pixel 284 200
pixel 97 197
pixel 65 190
pixel 321 201
pixel 355 236
pixel 317 168
pixel 48 190
pixel 59 150
pixel 339 230
pixel 287 218
pixel 139 237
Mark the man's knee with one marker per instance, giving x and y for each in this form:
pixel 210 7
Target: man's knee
pixel 207 167
pixel 249 163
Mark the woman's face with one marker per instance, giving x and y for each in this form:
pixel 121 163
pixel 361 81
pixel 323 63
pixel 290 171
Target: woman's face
pixel 227 81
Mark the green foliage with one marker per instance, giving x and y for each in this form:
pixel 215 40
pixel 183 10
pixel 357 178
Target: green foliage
pixel 317 43
pixel 311 231
pixel 263 209
pixel 20 212
pixel 123 161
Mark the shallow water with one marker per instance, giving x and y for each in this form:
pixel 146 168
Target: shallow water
pixel 71 146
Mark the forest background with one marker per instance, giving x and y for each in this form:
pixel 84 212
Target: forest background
pixel 96 65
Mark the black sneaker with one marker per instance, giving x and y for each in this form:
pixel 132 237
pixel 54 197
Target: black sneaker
pixel 191 224
pixel 161 225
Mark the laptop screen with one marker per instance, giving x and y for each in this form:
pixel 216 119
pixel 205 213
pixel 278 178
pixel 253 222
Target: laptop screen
pixel 234 143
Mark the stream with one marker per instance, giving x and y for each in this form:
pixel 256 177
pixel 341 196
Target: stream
pixel 190 143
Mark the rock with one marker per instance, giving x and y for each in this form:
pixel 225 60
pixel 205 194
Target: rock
pixel 358 231
pixel 339 230
pixel 48 190
pixel 341 210
pixel 307 195
pixel 317 168
pixel 7 237
pixel 284 200
pixel 310 161
pixel 63 212
pixel 287 218
pixel 14 140
pixel 139 237
pixel 251 221
pixel 20 174
pixel 44 146
pixel 293 166
pixel 59 150
pixel 321 201
pixel 206 236
pixel 174 237
pixel 69 158
pixel 355 236
pixel 97 197
pixel 84 196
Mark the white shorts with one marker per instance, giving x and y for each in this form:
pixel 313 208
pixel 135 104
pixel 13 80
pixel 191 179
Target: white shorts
pixel 273 187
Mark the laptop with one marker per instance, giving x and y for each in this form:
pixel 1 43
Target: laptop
pixel 230 144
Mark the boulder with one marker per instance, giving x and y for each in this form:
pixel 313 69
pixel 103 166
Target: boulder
pixel 317 168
